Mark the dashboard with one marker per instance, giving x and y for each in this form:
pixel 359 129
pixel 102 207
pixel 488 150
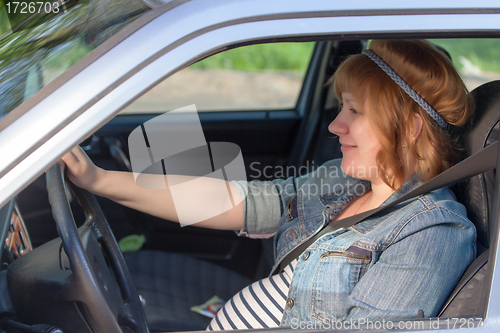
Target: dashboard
pixel 15 238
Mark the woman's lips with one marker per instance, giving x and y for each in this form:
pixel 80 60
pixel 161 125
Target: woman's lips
pixel 345 148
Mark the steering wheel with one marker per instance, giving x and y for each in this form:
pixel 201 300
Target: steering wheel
pixel 99 275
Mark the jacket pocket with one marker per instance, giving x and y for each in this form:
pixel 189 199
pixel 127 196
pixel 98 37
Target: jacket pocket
pixel 337 274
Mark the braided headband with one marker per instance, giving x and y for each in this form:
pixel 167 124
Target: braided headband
pixel 406 87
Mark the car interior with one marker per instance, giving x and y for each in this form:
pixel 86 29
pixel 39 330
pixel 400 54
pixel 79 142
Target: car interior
pixel 179 267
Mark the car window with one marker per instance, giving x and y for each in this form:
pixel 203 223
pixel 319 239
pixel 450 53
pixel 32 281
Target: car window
pixel 255 77
pixel 39 43
pixel 476 59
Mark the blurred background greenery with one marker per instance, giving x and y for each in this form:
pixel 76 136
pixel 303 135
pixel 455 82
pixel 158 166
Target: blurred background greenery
pixel 44 45
pixel 482 53
pixel 278 56
pixel 4 19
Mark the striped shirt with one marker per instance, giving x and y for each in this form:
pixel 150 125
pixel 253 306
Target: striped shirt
pixel 260 305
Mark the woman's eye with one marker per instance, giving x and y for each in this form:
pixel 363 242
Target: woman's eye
pixel 354 111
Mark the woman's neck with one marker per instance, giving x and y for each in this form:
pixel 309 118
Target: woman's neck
pixel 380 192
pixel 371 199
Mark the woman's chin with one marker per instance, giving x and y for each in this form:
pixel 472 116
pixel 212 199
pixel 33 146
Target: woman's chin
pixel 348 168
pixel 357 171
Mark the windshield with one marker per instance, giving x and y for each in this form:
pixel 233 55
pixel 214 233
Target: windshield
pixel 37 48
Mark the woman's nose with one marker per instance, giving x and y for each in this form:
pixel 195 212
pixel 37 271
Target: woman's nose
pixel 338 126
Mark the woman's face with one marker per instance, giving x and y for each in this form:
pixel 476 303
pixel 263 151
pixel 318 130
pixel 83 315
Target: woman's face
pixel 359 144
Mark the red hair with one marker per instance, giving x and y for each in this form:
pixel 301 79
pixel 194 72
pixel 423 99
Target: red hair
pixel 432 75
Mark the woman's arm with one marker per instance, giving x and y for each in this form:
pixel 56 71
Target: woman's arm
pixel 209 196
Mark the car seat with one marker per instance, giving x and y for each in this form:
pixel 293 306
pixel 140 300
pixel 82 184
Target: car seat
pixel 171 283
pixel 477 195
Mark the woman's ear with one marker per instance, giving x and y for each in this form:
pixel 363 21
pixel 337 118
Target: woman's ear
pixel 418 122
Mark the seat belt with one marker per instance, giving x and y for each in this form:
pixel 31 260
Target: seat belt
pixel 482 161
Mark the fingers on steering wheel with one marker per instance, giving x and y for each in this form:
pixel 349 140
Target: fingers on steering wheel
pixel 76 160
pixel 70 157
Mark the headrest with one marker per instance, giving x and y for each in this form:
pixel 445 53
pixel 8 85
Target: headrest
pixel 477 193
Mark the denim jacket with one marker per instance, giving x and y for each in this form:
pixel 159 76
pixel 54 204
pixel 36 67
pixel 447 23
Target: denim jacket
pixel 401 263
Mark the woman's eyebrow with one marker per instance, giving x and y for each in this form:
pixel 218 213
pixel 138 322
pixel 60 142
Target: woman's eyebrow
pixel 348 99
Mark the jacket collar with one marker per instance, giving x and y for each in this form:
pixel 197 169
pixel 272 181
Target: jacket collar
pixel 338 199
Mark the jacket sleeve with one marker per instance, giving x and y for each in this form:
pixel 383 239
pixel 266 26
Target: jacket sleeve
pixel 265 201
